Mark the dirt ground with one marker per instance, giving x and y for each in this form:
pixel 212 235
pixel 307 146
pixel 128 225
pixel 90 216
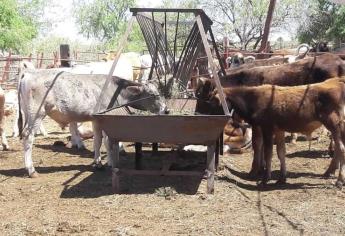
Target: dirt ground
pixel 71 198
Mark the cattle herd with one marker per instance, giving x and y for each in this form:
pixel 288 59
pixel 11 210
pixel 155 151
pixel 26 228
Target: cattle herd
pixel 269 97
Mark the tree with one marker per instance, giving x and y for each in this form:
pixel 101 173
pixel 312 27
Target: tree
pixel 267 26
pixel 34 12
pixel 15 29
pixel 102 19
pixel 106 20
pixel 325 21
pixel 244 20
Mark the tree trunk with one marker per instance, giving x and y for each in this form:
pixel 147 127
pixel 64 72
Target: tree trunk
pixel 267 25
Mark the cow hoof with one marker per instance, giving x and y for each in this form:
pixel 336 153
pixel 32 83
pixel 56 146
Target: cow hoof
pixel 34 175
pixel 59 143
pixel 253 175
pixel 281 181
pixel 328 174
pixel 262 183
pixel 69 145
pixel 5 148
pixel 339 184
pixel 98 166
pixel 81 148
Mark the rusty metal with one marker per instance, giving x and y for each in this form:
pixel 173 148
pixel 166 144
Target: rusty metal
pixel 181 129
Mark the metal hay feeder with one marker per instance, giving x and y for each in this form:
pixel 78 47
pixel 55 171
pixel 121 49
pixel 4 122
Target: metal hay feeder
pixel 179 129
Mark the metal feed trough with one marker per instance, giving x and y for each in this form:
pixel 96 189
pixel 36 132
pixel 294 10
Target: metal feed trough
pixel 120 124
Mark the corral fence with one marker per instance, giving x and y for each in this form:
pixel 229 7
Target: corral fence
pixel 9 64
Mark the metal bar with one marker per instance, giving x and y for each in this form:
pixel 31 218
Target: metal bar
pixel 185 47
pixel 175 49
pixel 166 46
pixel 138 155
pixel 183 51
pixel 222 67
pixel 213 67
pixel 184 10
pixel 210 168
pixel 192 49
pixel 148 29
pixel 142 23
pixel 122 44
pixel 192 63
pixel 154 59
pixel 161 172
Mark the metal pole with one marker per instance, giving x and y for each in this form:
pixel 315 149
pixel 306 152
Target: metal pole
pixel 176 30
pixel 122 44
pixel 213 66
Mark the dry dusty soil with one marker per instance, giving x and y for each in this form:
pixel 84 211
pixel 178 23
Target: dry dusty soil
pixel 71 198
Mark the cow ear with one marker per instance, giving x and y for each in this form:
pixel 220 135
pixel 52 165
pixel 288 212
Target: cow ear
pixel 135 90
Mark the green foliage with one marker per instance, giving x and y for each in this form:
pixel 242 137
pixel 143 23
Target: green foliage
pixel 15 29
pixel 325 22
pixel 102 19
pixel 106 20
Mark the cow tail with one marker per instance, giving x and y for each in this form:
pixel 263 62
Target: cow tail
pixel 20 117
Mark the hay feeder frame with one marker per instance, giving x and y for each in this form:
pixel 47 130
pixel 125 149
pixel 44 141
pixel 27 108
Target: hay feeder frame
pixel 178 129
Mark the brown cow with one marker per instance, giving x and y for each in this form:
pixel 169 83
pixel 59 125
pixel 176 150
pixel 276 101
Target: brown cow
pixel 273 108
pixel 2 120
pixel 306 71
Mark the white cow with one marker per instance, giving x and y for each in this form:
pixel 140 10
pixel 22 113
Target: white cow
pixel 2 120
pixel 123 70
pixel 70 98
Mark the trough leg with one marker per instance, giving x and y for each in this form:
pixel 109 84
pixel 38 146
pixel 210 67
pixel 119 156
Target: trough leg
pixel 115 170
pixel 210 168
pixel 221 143
pixel 154 148
pixel 138 155
pixel 217 154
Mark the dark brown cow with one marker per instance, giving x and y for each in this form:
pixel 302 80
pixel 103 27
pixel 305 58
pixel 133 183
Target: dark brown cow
pixel 273 108
pixel 306 71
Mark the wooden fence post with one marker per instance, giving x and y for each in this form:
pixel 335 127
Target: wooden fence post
pixel 5 75
pixel 41 60
pixel 65 55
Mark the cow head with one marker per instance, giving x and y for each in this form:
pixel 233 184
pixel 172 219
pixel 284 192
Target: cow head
pixel 146 97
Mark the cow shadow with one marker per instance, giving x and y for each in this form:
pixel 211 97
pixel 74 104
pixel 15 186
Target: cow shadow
pixel 254 185
pixel 21 172
pixel 312 154
pixel 63 149
pixel 99 182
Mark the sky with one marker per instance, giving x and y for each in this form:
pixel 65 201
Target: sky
pixel 64 25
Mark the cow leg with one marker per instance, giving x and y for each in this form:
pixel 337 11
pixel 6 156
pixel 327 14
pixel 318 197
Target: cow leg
pixel 108 143
pixel 280 141
pixel 257 141
pixel 43 130
pixel 28 140
pixel 334 124
pixel 339 151
pixel 294 137
pixel 339 154
pixel 268 147
pixel 4 142
pixel 75 137
pixel 15 132
pixel 97 142
pixel 109 146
